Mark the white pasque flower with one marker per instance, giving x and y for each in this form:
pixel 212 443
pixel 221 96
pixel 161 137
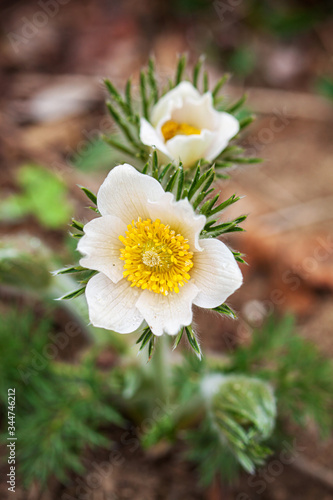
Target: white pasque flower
pixel 185 126
pixel 152 265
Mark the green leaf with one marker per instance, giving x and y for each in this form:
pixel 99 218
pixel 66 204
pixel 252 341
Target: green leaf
pixel 155 165
pixel 43 195
pixel 196 71
pixel 193 341
pixel 118 145
pixel 226 310
pixel 165 171
pixel 236 105
pixel 207 206
pixel 220 84
pixel 74 294
pixel 122 125
pixel 205 82
pixel 117 97
pixel 180 69
pixel 128 95
pixel 200 197
pixel 77 225
pixel 171 184
pixel 223 164
pixel 95 155
pixel 146 336
pixel 206 179
pixel 143 95
pixel 194 182
pixel 70 270
pixel 210 210
pixel 241 159
pixel 145 168
pixel 239 257
pixel 151 347
pixel 180 182
pixel 235 150
pixel 92 197
pixel 152 81
pixel 178 339
pixel 226 227
pixel 246 121
pixel 199 180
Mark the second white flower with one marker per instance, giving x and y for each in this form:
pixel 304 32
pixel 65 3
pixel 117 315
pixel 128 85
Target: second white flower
pixel 185 126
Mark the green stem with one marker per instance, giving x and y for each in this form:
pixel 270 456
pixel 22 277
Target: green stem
pixel 160 368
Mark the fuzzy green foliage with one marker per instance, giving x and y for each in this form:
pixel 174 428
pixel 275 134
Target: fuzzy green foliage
pixel 23 269
pixel 301 376
pixel 211 456
pixel 243 415
pixel 238 418
pixel 59 408
pixel 42 195
pixel 239 422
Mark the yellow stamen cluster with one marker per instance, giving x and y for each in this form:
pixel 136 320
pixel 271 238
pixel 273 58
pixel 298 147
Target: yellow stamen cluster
pixel 156 258
pixel 171 128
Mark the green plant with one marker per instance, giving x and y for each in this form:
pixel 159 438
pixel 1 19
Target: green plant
pixel 59 407
pixel 42 195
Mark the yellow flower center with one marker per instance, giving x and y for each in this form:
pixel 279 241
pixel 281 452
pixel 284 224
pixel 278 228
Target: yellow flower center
pixel 156 258
pixel 171 128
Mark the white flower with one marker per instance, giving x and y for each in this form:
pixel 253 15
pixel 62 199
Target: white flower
pixel 185 126
pixel 152 265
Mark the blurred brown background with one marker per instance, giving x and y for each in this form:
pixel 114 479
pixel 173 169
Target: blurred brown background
pixel 54 54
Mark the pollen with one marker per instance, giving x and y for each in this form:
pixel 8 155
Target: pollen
pixel 171 128
pixel 155 257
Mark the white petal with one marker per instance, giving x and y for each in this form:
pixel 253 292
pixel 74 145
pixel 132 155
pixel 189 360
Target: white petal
pixel 150 137
pixel 168 314
pixel 190 148
pixel 215 272
pixel 198 112
pixel 180 216
pixel 101 246
pixel 172 100
pixel 227 128
pixel 112 306
pixel 125 192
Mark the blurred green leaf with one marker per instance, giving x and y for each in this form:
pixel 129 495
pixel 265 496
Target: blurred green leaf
pixel 97 156
pixel 43 195
pixel 23 270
